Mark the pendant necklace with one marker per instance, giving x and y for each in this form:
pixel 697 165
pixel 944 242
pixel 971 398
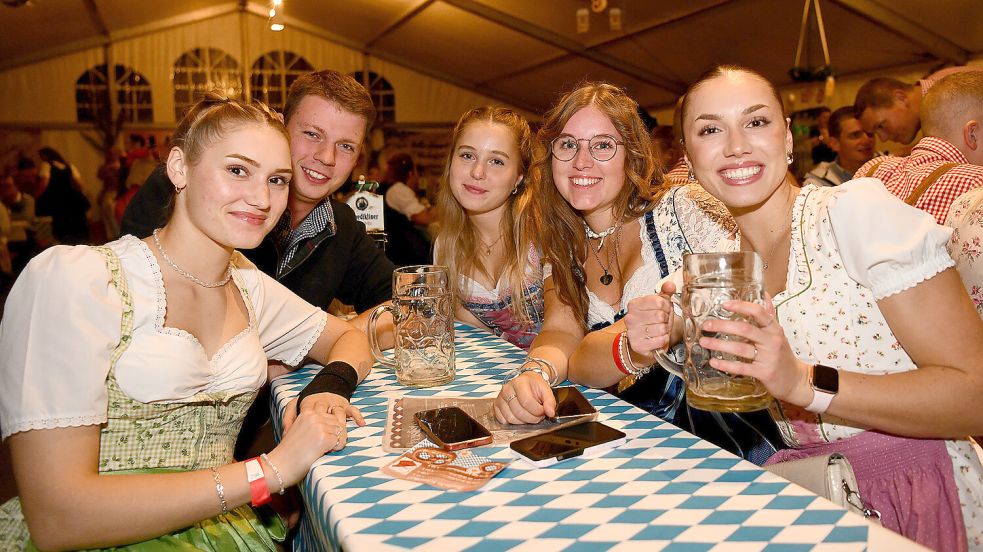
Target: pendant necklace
pixel 774 247
pixel 488 246
pixel 606 278
pixel 188 275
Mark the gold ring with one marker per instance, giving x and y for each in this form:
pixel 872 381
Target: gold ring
pixel 510 398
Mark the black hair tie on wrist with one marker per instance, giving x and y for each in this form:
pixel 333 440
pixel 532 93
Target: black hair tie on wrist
pixel 337 377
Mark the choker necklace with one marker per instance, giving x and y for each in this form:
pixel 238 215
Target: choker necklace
pixel 606 278
pixel 602 235
pixel 188 275
pixel 488 246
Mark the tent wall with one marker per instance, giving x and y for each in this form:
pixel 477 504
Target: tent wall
pixel 42 95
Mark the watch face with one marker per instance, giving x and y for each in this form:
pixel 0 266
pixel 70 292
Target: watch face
pixel 826 379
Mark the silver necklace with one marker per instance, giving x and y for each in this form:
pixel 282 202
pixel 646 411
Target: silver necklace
pixel 606 278
pixel 188 275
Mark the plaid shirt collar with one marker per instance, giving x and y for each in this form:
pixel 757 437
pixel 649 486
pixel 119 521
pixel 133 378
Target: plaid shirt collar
pixel 288 241
pixel 941 148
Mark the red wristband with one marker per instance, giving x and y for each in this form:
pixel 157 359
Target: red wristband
pixel 616 353
pixel 258 489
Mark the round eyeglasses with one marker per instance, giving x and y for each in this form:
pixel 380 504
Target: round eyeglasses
pixel 602 147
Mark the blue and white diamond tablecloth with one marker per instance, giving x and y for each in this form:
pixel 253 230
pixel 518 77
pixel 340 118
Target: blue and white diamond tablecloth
pixel 663 490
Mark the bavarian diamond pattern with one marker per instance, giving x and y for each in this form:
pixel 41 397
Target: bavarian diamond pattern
pixel 663 490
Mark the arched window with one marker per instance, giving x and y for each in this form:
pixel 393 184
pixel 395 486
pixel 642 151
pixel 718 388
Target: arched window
pixel 133 95
pixel 273 73
pixel 201 70
pixel 383 95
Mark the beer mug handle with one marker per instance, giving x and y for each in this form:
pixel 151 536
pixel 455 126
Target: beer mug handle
pixel 374 338
pixel 662 357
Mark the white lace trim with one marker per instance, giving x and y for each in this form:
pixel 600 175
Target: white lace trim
pixel 11 427
pixel 914 276
pixel 310 342
pixel 161 294
pixel 640 283
pixel 158 278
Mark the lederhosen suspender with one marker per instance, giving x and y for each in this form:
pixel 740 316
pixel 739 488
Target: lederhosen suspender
pixel 925 184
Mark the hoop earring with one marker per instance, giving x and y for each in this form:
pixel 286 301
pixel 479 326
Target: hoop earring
pixel 515 189
pixel 177 191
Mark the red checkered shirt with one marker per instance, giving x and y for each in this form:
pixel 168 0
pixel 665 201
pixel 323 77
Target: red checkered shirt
pixel 679 174
pixel 901 175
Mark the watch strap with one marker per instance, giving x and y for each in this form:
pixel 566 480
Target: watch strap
pixel 821 398
pixel 820 401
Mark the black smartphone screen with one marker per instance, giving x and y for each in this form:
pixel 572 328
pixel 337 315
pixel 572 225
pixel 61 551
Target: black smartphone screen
pixel 566 440
pixel 451 425
pixel 571 403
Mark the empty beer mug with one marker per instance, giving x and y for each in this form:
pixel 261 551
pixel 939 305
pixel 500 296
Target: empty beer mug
pixel 423 326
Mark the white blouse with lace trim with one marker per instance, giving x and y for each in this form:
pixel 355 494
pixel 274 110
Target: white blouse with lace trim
pixel 62 322
pixel 853 245
pixel 687 219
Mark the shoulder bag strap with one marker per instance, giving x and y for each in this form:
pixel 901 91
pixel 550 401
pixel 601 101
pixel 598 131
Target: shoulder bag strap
pixel 928 181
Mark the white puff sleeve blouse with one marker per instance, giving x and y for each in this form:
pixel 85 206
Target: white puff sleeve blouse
pixel 888 253
pixel 62 322
pixel 60 325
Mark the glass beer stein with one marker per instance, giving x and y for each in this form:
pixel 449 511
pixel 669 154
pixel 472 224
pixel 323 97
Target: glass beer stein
pixel 423 326
pixel 709 281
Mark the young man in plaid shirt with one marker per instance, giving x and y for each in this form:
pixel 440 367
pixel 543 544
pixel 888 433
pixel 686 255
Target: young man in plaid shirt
pixel 946 162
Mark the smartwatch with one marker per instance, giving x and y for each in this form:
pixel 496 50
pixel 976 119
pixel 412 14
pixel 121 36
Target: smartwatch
pixel 825 383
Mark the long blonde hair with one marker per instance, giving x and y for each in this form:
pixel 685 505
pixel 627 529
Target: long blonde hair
pixel 559 226
pixel 457 243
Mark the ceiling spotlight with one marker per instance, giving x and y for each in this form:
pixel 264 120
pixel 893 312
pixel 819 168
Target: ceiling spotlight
pixel 276 16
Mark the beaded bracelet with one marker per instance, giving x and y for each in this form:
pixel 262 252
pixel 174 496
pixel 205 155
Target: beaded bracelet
pixel 276 472
pixel 617 356
pixel 623 358
pixel 220 489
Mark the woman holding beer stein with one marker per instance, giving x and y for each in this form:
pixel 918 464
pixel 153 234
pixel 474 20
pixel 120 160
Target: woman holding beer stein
pixel 611 233
pixel 487 251
pixel 870 344
pixel 126 370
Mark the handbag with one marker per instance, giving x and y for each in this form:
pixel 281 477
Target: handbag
pixel 829 476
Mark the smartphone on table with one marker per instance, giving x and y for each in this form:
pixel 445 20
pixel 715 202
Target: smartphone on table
pixel 549 448
pixel 451 428
pixel 571 404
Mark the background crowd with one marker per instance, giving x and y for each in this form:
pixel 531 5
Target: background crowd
pixel 559 240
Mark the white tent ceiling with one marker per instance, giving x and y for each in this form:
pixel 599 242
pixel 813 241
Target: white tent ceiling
pixel 523 52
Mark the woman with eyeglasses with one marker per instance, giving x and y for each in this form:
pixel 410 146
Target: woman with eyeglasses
pixel 610 233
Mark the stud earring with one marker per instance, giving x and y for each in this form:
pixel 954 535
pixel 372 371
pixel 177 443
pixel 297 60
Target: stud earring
pixel 691 175
pixel 788 158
